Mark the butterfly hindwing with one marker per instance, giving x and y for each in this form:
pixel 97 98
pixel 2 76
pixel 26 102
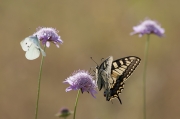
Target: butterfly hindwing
pixel 32 52
pixel 103 73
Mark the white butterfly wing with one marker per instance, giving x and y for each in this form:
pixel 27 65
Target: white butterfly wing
pixel 26 43
pixel 32 47
pixel 33 52
pixel 35 40
pixel 43 53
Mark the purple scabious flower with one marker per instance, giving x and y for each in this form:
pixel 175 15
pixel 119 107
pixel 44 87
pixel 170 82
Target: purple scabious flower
pixel 47 35
pixel 148 27
pixel 64 112
pixel 81 80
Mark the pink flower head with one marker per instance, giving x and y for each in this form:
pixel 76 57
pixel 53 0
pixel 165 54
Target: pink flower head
pixel 81 80
pixel 148 27
pixel 47 35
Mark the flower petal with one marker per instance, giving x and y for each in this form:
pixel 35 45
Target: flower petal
pixel 47 44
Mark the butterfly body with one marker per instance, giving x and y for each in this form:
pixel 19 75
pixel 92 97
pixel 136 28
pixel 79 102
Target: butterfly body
pixel 111 75
pixel 32 47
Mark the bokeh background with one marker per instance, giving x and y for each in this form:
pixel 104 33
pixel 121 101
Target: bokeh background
pixel 95 29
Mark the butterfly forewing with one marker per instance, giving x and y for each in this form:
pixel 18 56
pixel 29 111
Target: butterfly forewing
pixel 25 44
pixel 125 67
pixel 120 71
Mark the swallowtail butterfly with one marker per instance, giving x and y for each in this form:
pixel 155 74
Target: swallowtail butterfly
pixel 111 75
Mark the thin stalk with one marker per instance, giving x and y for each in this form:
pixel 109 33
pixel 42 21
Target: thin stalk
pixel 39 85
pixel 144 72
pixel 77 97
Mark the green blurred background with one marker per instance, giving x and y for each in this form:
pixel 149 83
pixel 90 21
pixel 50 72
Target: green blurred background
pixel 95 29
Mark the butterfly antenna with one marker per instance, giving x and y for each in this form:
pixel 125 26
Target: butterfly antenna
pixel 93 60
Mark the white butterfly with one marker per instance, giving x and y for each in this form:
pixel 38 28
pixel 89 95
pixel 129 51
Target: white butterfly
pixel 32 47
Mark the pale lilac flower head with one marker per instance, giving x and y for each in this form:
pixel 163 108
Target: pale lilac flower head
pixel 47 35
pixel 148 27
pixel 81 80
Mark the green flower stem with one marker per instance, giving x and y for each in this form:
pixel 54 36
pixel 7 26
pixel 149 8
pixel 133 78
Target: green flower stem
pixel 39 84
pixel 77 97
pixel 144 72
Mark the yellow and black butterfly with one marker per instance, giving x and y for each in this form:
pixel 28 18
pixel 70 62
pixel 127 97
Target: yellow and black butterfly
pixel 111 75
